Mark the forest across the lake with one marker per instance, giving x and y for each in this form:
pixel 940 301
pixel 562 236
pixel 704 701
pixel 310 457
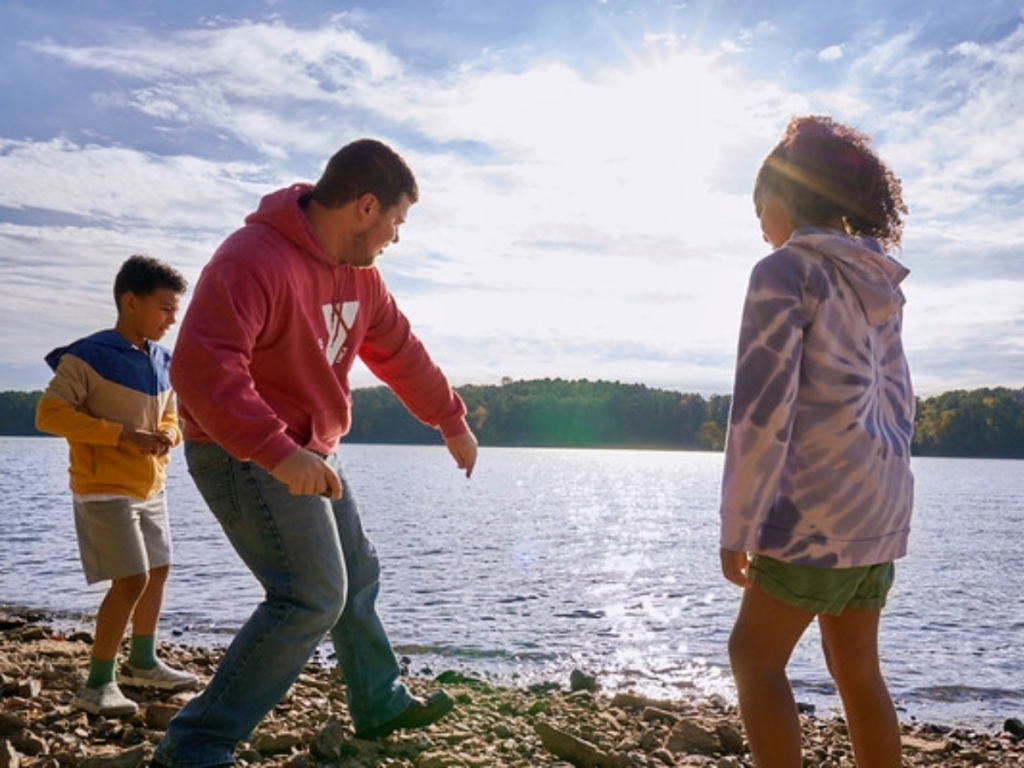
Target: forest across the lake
pixel 561 413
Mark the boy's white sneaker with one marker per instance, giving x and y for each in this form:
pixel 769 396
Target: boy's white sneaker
pixel 107 700
pixel 160 676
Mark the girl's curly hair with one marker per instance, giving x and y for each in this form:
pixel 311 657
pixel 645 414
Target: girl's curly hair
pixel 825 171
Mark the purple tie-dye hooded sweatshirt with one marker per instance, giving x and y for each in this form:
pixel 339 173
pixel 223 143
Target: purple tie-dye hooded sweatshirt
pixel 817 464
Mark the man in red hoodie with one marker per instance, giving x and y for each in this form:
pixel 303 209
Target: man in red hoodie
pixel 261 371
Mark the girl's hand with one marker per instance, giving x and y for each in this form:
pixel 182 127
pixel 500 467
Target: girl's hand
pixel 734 567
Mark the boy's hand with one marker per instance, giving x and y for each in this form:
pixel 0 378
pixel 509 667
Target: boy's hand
pixel 306 474
pixel 152 443
pixel 168 436
pixel 734 567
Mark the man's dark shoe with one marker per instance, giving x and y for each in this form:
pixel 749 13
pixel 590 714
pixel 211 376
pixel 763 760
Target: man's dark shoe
pixel 419 714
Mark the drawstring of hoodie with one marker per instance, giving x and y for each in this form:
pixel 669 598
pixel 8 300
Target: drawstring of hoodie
pixel 337 318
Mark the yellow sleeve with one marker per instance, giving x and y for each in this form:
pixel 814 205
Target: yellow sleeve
pixel 169 421
pixel 59 410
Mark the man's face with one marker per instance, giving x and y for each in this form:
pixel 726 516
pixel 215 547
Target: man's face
pixel 380 233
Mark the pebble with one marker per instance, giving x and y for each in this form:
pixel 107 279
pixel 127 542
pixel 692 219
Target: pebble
pixel 563 724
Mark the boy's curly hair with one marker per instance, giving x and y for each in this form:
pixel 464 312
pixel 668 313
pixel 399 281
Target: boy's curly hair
pixel 142 275
pixel 824 171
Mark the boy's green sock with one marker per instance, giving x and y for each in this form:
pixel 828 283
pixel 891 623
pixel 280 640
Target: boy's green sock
pixel 101 671
pixel 143 652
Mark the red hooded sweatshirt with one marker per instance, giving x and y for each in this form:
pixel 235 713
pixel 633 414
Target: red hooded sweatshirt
pixel 263 355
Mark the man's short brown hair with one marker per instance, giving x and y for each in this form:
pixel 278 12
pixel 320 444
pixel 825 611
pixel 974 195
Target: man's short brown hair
pixel 365 165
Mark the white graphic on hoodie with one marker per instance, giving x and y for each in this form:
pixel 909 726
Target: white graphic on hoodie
pixel 339 318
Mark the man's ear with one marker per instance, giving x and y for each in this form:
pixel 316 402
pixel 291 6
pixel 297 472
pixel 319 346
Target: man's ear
pixel 367 203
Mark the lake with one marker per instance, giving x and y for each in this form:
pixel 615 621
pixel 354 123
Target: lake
pixel 550 560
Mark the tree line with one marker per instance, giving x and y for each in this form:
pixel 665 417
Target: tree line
pixel 559 413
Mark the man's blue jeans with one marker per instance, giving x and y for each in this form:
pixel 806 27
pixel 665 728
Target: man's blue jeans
pixel 320 574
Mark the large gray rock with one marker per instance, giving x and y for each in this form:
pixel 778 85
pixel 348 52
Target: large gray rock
pixel 580 753
pixel 691 738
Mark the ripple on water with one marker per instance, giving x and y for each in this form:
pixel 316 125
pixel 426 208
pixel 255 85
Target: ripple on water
pixel 552 560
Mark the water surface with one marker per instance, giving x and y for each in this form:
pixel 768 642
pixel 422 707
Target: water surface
pixel 549 560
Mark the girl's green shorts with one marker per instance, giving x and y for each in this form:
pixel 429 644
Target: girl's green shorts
pixel 823 590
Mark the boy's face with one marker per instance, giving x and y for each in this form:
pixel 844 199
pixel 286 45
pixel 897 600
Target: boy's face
pixel 150 316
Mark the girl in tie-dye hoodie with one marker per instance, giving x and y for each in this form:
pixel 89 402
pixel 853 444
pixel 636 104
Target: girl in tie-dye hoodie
pixel 817 489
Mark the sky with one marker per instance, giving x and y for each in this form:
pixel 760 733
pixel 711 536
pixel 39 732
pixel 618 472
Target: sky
pixel 585 166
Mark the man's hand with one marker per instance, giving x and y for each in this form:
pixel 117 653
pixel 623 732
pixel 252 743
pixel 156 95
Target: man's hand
pixel 152 443
pixel 463 450
pixel 306 474
pixel 734 567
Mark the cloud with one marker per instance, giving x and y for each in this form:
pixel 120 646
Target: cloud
pixel 252 80
pixel 832 53
pixel 972 329
pixel 955 125
pixel 58 286
pixel 110 185
pixel 71 214
pixel 568 216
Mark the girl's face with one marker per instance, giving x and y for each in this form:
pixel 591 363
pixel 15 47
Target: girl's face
pixel 776 225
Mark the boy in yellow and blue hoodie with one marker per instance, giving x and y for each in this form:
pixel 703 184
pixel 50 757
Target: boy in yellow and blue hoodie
pixel 111 399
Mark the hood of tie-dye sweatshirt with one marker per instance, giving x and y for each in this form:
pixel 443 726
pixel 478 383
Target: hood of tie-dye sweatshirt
pixel 874 275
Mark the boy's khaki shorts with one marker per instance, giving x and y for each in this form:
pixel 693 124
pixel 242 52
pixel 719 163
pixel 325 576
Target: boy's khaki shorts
pixel 823 590
pixel 119 536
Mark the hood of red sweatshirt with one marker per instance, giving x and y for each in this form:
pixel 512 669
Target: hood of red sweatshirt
pixel 284 211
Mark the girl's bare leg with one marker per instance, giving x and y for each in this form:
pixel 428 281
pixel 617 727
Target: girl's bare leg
pixel 850 641
pixel 762 640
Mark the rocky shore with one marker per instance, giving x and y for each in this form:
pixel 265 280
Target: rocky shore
pixel 558 724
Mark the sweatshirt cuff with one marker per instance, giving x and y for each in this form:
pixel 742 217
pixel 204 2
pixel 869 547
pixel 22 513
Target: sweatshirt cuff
pixel 738 537
pixel 274 452
pixel 454 426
